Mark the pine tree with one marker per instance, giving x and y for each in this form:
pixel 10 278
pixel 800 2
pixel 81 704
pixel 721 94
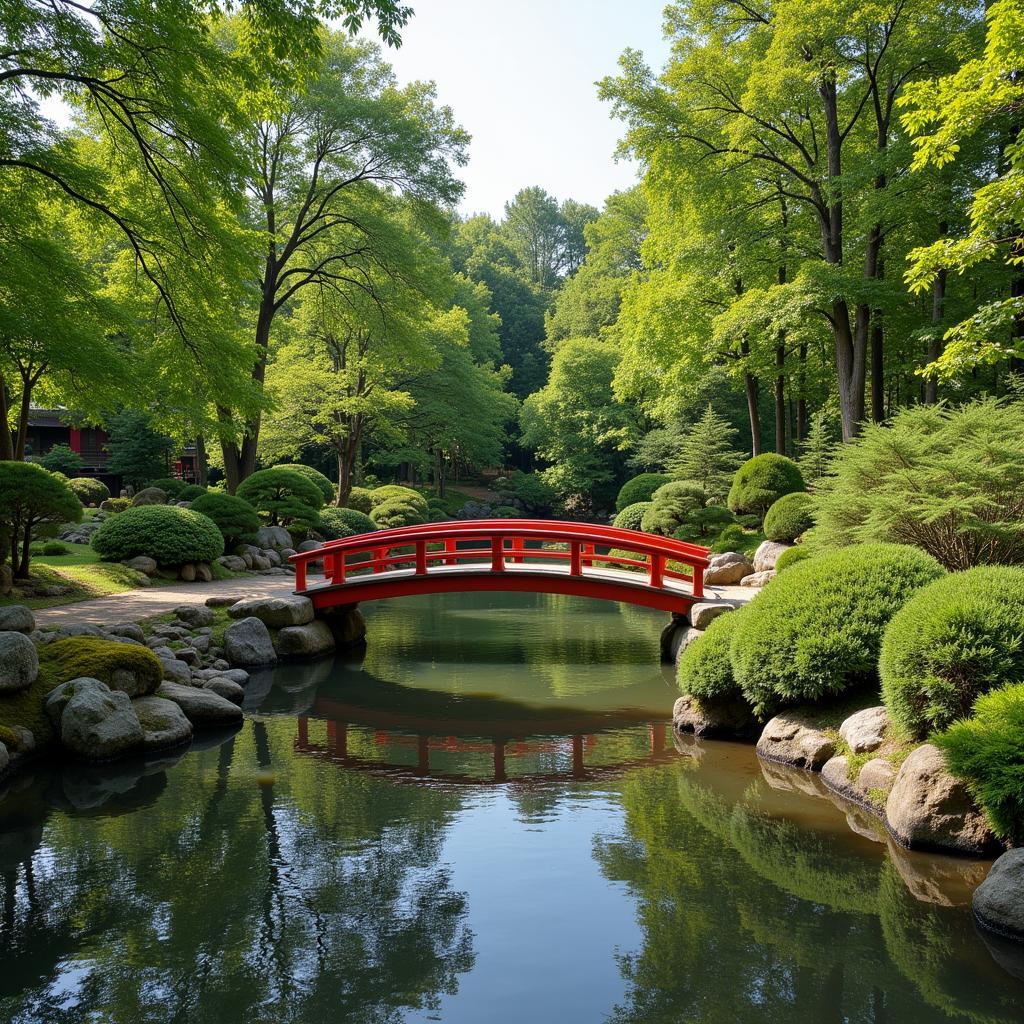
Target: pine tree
pixel 707 455
pixel 819 449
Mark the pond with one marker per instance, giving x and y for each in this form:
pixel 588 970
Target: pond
pixel 484 818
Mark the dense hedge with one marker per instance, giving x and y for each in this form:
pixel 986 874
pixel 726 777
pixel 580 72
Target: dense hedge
pixel 761 481
pixel 283 496
pixel 395 492
pixel 327 490
pixel 816 629
pixel 705 665
pixel 235 518
pixel 361 499
pixel 190 492
pixel 336 523
pixel 631 517
pixel 791 556
pixel 167 533
pixel 88 490
pixel 640 488
pixel 398 512
pixel 954 640
pixel 988 751
pixel 789 517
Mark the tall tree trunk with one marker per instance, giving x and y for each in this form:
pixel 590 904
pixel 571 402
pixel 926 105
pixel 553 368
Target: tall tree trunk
pixel 935 343
pixel 21 569
pixel 750 385
pixel 877 368
pixel 202 461
pixel 850 369
pixel 6 437
pixel 801 401
pixel 780 394
pixel 24 413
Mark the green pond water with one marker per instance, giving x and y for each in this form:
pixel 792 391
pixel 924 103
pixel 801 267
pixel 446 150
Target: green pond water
pixel 483 818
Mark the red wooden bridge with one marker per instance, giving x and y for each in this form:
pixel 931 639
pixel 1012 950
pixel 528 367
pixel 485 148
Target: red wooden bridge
pixel 539 556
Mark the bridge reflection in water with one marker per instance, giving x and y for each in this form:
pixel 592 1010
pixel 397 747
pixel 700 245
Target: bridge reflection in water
pixel 565 756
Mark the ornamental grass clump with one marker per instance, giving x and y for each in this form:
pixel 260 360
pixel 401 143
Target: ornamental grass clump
pixel 632 516
pixel 235 518
pixel 169 534
pixel 987 750
pixel 956 639
pixel 789 517
pixel 761 481
pixel 950 481
pixel 704 669
pixel 640 488
pixel 815 631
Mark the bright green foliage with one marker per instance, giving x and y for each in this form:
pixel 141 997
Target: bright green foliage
pixel 98 659
pixel 818 451
pixel 392 492
pixel 361 499
pixel 705 666
pixel 761 481
pixel 282 496
pixel 640 488
pixel 115 505
pixel 681 509
pixel 167 533
pixel 170 485
pixel 631 517
pixel 235 518
pixel 949 480
pixel 791 556
pixel 33 503
pixel 398 512
pixel 531 490
pixel 959 637
pixel 987 750
pixel 731 538
pixel 324 485
pixel 344 522
pixel 138 451
pixel 61 458
pixel 706 454
pixel 816 630
pixel 190 492
pixel 89 490
pixel 56 547
pixel 789 517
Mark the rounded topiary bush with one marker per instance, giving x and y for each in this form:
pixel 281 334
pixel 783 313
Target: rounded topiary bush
pixel 395 492
pixel 704 669
pixel 953 641
pixel 816 630
pixel 731 538
pixel 640 488
pixel 88 490
pixel 336 523
pixel 190 492
pixel 166 533
pixel 761 481
pixel 791 556
pixel 632 516
pixel 398 512
pixel 235 518
pixel 171 486
pixel 283 496
pixel 327 490
pixel 789 517
pixel 56 547
pixel 361 499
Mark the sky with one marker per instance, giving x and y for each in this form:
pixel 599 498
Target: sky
pixel 520 78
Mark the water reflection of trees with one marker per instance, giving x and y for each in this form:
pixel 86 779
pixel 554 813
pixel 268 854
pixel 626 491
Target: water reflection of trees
pixel 257 887
pixel 752 918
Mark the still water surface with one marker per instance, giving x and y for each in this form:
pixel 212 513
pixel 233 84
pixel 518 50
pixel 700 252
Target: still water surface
pixel 485 819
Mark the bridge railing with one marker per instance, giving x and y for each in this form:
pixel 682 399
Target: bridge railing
pixel 498 544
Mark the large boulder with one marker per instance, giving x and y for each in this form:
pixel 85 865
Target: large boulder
pixel 233 563
pixel 16 618
pixel 727 569
pixel 790 738
pixel 248 642
pixel 201 706
pixel 308 641
pixel 714 719
pixel 929 808
pixel 176 670
pixel 675 638
pixel 347 624
pixel 225 688
pixel 163 723
pixel 703 613
pixel 150 496
pixel 273 537
pixel 758 579
pixel 19 663
pixel 767 554
pixel 142 563
pixel 999 900
pixel 877 776
pixel 127 631
pixel 275 612
pixel 100 724
pixel 195 616
pixel 865 730
pixel 58 697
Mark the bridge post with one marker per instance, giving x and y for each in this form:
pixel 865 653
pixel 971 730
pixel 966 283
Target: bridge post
pixel 449 547
pixel 575 563
pixel 300 576
pixel 657 568
pixel 499 761
pixel 698 581
pixel 337 571
pixel 588 554
pixel 379 554
pixel 498 554
pixel 421 558
pixel 517 550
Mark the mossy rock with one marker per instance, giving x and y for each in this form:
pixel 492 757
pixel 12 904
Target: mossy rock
pixel 99 659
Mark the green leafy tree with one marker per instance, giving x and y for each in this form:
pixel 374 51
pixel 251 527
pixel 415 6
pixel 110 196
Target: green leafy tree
pixel 61 458
pixel 138 452
pixel 32 503
pixel 282 496
pixel 818 451
pixel 706 454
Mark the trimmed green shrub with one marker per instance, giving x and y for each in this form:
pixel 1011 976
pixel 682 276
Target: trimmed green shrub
pixel 88 490
pixel 705 665
pixel 361 499
pixel 63 459
pixel 816 630
pixel 328 490
pixel 395 492
pixel 167 533
pixel 115 505
pixel 33 503
pixel 731 538
pixel 987 750
pixel 235 518
pixel 170 485
pixel 282 496
pixel 761 481
pixel 791 557
pixel 98 659
pixel 640 488
pixel 680 509
pixel 950 481
pixel 336 523
pixel 789 517
pixel 398 512
pixel 631 517
pixel 54 548
pixel 505 512
pixel 438 515
pixel 190 492
pixel 954 640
